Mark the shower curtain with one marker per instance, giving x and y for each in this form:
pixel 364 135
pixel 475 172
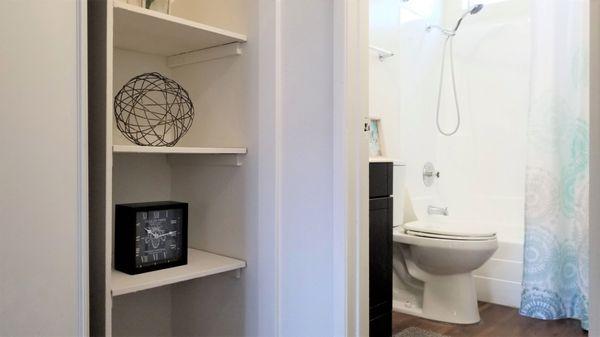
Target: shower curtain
pixel 555 276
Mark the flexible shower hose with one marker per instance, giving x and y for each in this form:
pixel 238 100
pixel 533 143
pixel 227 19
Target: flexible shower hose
pixel 448 41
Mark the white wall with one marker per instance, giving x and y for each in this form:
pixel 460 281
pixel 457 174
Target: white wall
pixel 482 166
pixel 40 267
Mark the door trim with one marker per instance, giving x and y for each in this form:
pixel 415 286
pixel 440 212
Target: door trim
pixel 82 173
pixel 350 173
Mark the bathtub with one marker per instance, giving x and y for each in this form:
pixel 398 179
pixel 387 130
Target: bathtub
pixel 499 280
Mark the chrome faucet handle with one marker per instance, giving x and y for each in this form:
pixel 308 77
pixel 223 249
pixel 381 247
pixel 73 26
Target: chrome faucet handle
pixel 432 174
pixel 429 174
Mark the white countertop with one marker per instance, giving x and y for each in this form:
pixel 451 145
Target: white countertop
pixel 386 160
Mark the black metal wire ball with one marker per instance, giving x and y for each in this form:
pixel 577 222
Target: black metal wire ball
pixel 153 110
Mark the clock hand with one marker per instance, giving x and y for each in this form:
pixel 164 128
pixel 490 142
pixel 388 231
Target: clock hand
pixel 151 233
pixel 171 233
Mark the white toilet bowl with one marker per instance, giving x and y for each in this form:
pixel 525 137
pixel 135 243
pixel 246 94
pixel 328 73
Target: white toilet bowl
pixel 433 262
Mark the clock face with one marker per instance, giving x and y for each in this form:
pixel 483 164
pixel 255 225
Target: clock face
pixel 158 237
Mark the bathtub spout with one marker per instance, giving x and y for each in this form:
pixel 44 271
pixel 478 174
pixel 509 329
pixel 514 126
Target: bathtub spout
pixel 437 210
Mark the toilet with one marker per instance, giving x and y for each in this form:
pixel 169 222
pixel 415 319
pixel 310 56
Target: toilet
pixel 433 261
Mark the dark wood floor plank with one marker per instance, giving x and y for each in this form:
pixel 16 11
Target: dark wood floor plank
pixel 496 321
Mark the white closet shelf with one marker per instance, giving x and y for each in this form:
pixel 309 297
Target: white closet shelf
pixel 152 32
pixel 200 264
pixel 178 150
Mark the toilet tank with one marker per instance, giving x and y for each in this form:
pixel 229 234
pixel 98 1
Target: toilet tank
pixel 399 195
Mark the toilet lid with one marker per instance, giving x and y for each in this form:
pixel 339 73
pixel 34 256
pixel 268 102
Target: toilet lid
pixel 448 230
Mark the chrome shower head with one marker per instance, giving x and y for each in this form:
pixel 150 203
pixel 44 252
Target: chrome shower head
pixel 476 9
pixel 472 11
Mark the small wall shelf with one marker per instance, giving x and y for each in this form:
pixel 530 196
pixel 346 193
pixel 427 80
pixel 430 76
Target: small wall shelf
pixel 200 264
pixel 178 150
pixel 152 32
pixel 186 156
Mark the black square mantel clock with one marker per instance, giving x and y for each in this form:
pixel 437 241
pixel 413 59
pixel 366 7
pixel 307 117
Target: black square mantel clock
pixel 150 236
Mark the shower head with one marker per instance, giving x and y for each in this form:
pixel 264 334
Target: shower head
pixel 476 9
pixel 472 11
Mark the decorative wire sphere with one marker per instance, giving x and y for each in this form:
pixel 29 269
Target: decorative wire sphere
pixel 153 110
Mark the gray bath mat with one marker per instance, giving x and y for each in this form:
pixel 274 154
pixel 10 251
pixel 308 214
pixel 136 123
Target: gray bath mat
pixel 416 332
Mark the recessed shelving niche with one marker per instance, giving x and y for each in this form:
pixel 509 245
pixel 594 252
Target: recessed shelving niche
pixel 126 41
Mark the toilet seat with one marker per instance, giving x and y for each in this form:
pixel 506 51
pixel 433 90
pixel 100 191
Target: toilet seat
pixel 447 230
pixel 449 237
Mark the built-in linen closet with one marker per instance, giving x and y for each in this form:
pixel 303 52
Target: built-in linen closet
pixel 203 46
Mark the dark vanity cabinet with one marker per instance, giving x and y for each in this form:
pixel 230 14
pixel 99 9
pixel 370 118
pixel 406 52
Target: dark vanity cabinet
pixel 380 248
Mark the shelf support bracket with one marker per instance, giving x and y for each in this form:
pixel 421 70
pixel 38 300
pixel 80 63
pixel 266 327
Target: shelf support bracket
pixel 239 160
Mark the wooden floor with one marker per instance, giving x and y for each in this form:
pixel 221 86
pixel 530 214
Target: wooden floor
pixel 496 321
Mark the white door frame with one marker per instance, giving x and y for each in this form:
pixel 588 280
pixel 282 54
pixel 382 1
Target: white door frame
pixel 351 178
pixel 82 173
pixel 351 234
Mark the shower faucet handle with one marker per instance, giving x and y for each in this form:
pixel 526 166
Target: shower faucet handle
pixel 432 174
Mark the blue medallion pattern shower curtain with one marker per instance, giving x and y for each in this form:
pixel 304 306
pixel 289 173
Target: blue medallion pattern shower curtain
pixel 556 260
